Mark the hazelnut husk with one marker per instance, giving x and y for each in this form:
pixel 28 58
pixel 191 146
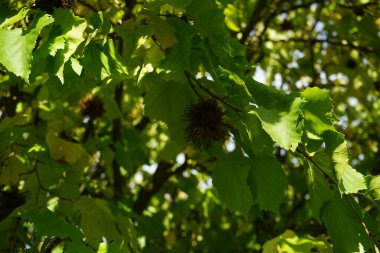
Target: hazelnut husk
pixel 91 107
pixel 206 123
pixel 48 5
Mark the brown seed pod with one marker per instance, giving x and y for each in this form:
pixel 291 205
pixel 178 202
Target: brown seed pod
pixel 91 107
pixel 206 123
pixel 48 5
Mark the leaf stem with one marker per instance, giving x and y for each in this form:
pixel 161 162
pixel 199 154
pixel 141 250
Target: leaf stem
pixel 193 80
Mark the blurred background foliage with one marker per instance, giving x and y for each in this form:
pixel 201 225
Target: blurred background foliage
pixel 291 45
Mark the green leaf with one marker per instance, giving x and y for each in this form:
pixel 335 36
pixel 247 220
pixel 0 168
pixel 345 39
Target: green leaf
pixel 11 170
pixel 290 242
pixel 350 180
pixel 230 180
pixel 126 228
pixel 267 181
pixel 236 86
pixel 177 3
pixel 163 31
pixel 209 19
pixel 346 232
pixel 48 223
pixel 319 189
pixel 318 111
pixel 264 95
pixel 62 150
pixel 65 37
pixel 258 140
pixel 374 187
pixel 17 46
pixel 96 219
pixel 14 19
pixel 76 247
pixel 284 124
pixel 167 100
pixel 178 58
pixel 103 62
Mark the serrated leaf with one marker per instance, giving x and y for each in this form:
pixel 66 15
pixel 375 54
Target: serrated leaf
pixel 260 141
pixel 62 150
pixel 267 181
pixel 178 58
pixel 164 32
pixel 290 242
pixel 319 189
pixel 236 86
pixel 17 46
pixel 96 219
pixel 48 223
pixel 350 180
pixel 284 124
pixel 264 95
pixel 318 111
pixel 126 228
pixel 209 19
pixel 14 19
pixel 10 171
pixel 103 62
pixel 64 39
pixel 374 187
pixel 346 232
pixel 167 100
pixel 230 180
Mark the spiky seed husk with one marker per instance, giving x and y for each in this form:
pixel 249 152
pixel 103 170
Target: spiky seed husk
pixel 92 107
pixel 48 5
pixel 206 123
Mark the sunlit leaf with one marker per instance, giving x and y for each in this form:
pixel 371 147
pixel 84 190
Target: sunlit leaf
pixel 342 223
pixel 17 46
pixel 284 124
pixel 350 180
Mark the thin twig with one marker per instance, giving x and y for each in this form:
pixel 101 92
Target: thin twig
pixel 193 79
pixel 193 86
pixel 342 43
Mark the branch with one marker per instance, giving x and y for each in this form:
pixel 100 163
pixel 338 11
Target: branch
pixel 295 7
pixel 255 17
pixel 257 40
pixel 193 80
pixel 311 48
pixel 118 179
pixel 160 176
pixel 343 43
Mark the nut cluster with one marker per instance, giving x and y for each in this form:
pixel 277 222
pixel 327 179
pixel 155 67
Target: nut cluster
pixel 91 107
pixel 206 123
pixel 48 5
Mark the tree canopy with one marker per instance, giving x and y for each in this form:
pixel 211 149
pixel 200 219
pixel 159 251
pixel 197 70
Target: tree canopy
pixel 189 126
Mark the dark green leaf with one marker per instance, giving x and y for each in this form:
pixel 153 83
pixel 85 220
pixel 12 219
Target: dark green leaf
pixel 230 180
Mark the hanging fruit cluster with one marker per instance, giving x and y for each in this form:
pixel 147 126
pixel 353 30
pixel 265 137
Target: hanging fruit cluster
pixel 206 123
pixel 48 5
pixel 91 107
